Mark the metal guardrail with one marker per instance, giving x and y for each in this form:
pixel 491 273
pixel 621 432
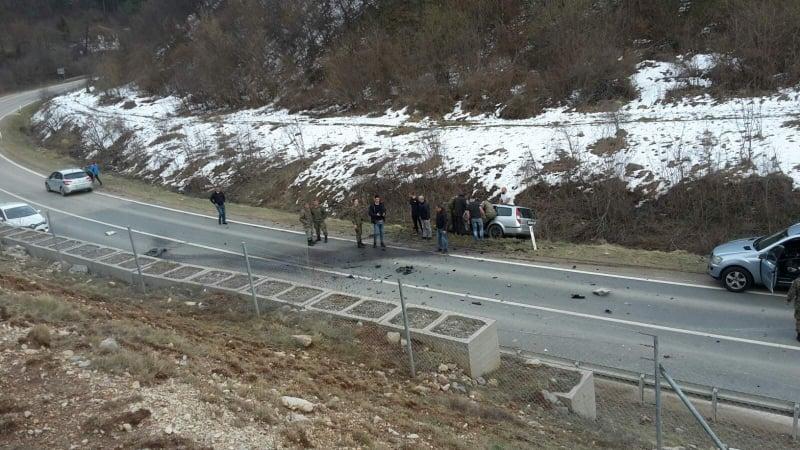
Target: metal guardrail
pixel 711 393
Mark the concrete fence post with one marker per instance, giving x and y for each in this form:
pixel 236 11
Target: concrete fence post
pixel 55 238
pixel 136 258
pixel 408 331
pixel 794 422
pixel 250 277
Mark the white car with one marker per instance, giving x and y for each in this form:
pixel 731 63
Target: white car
pixel 23 215
pixel 68 181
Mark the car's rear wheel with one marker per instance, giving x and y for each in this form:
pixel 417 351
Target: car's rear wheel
pixel 736 279
pixel 495 232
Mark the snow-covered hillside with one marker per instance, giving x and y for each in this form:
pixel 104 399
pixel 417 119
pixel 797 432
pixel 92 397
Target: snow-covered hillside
pixel 652 143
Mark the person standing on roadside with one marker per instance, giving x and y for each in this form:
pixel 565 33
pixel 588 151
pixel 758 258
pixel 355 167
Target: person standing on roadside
pixel 505 198
pixel 489 213
pixel 319 214
pixel 460 208
pixel 356 215
pixel 414 203
pixel 441 229
pixel 476 219
pixel 307 220
pixel 794 296
pixel 377 214
pixel 424 217
pixel 95 169
pixel 218 200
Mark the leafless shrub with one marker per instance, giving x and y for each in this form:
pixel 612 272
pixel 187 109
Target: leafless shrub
pixel 293 135
pixel 749 124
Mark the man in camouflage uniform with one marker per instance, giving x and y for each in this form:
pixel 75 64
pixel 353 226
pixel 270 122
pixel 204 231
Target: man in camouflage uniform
pixel 794 296
pixel 356 215
pixel 319 214
pixel 307 219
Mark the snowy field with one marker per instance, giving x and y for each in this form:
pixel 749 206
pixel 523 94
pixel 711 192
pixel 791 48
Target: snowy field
pixel 651 143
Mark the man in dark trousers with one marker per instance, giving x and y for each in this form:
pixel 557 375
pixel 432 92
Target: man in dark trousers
pixel 377 214
pixel 424 211
pixel 476 219
pixel 460 207
pixel 218 199
pixel 412 200
pixel 441 229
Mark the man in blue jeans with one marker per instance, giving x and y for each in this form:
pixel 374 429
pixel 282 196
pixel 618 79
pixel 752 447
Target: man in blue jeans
pixel 218 199
pixel 476 219
pixel 377 213
pixel 441 229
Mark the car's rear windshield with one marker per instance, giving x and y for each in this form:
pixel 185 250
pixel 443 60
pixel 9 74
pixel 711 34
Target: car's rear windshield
pixel 19 211
pixel 526 213
pixel 764 242
pixel 75 175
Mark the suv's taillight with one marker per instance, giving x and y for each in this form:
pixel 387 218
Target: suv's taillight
pixel 519 215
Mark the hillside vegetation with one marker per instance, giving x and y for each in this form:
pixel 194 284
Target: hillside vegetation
pixel 516 56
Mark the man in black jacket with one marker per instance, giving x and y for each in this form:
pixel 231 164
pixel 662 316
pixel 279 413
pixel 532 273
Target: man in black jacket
pixel 424 217
pixel 377 214
pixel 460 208
pixel 412 200
pixel 441 229
pixel 218 199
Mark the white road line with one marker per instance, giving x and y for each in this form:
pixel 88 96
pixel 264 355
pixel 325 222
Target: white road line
pixel 453 255
pixel 440 291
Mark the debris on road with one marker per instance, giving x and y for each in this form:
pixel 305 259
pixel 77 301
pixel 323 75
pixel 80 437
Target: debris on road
pixel 405 270
pixel 110 233
pixel 608 311
pixel 156 252
pixel 578 296
pixel 601 292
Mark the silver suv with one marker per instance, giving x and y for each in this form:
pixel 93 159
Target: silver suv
pixel 511 220
pixel 769 261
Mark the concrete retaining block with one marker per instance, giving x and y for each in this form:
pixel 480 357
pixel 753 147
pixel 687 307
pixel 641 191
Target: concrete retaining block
pixel 581 399
pixel 476 349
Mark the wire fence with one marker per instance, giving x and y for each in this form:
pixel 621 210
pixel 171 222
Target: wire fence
pixel 524 379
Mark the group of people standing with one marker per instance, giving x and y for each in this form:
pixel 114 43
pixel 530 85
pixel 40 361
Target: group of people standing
pixel 461 216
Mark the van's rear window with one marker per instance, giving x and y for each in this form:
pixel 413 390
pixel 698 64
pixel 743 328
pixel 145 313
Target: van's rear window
pixel 75 175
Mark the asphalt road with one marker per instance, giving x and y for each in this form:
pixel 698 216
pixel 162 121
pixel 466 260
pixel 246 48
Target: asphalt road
pixel 744 342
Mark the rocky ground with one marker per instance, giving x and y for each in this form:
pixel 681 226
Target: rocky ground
pixel 90 363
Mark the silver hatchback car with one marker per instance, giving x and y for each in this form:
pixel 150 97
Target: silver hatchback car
pixel 768 261
pixel 511 220
pixel 68 181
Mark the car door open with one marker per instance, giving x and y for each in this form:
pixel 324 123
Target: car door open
pixel 769 267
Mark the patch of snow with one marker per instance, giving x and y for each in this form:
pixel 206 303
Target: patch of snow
pixel 665 141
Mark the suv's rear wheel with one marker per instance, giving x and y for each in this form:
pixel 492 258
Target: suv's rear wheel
pixel 737 279
pixel 495 232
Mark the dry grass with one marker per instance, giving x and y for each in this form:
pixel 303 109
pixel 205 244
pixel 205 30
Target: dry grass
pixel 40 307
pixel 145 367
pixel 38 336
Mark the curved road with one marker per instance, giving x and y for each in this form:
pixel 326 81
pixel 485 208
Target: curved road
pixel 741 342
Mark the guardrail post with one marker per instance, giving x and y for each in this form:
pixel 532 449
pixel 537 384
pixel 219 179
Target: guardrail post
pixel 641 389
pixel 794 422
pixel 714 402
pixel 250 277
